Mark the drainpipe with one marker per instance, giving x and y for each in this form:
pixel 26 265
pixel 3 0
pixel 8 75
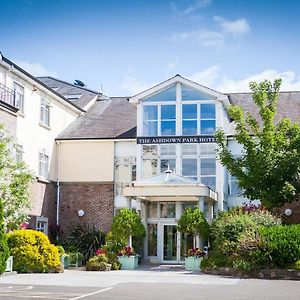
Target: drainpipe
pixel 57 184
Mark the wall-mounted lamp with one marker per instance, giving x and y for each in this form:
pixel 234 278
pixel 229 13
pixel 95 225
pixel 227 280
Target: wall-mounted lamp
pixel 288 212
pixel 80 213
pixel 34 89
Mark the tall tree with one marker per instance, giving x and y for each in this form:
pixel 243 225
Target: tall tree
pixel 268 168
pixel 14 181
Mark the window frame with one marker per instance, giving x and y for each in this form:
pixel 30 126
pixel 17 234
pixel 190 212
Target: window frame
pixel 45 112
pixel 19 96
pixel 43 164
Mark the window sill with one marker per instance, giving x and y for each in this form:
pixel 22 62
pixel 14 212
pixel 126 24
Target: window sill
pixel 21 114
pixel 45 125
pixel 42 179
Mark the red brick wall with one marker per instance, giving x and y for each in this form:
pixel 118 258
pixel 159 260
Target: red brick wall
pixel 95 199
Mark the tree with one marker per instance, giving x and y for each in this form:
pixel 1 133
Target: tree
pixel 127 224
pixel 268 168
pixel 4 252
pixel 14 181
pixel 193 222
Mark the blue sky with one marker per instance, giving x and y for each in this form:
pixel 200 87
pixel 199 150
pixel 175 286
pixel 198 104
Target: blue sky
pixel 127 46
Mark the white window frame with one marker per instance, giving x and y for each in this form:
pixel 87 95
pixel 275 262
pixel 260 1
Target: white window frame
pixel 45 112
pixel 19 153
pixel 43 164
pixel 19 96
pixel 44 221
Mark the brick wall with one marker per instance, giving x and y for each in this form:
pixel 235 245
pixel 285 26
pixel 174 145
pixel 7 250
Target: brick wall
pixel 95 199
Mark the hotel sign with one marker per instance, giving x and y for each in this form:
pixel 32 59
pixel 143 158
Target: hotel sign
pixel 175 139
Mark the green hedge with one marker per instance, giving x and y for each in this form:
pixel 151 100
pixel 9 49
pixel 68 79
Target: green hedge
pixel 282 243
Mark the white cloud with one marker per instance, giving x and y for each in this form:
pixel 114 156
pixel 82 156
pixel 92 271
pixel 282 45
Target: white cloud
pixel 204 37
pixel 207 77
pixel 213 77
pixel 35 69
pixel 133 85
pixel 290 81
pixel 236 27
pixel 192 7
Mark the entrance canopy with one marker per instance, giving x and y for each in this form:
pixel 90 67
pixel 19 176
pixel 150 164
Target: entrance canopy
pixel 169 186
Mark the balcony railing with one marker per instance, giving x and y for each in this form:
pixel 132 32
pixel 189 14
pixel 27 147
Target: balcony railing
pixel 7 95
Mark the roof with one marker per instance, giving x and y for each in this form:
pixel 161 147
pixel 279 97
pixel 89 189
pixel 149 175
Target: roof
pixel 12 64
pixel 288 105
pixel 68 89
pixel 105 119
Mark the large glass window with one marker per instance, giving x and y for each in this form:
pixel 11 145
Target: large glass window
pixel 166 95
pixel 208 116
pixel 152 210
pixel 168 120
pixel 189 93
pixel 186 205
pixel 208 172
pixel 150 120
pixel 167 210
pixel 189 167
pixel 189 119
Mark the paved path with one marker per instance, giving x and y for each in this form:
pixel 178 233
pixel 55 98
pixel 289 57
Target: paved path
pixel 147 283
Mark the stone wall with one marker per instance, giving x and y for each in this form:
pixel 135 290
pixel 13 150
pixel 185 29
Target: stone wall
pixel 95 199
pixel 42 196
pixel 9 120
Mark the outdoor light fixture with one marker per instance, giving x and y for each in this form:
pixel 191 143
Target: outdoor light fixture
pixel 288 212
pixel 80 213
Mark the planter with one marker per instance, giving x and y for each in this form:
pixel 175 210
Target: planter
pixel 75 259
pixel 65 261
pixel 128 262
pixel 9 264
pixel 193 263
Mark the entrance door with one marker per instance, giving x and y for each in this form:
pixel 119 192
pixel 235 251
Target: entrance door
pixel 171 244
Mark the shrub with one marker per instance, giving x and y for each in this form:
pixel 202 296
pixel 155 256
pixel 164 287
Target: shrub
pixel 85 239
pixel 32 252
pixel 282 243
pixel 233 235
pixel 214 260
pixel 128 224
pixel 4 252
pixel 98 263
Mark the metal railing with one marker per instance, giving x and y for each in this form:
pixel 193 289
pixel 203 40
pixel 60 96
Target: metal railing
pixel 7 95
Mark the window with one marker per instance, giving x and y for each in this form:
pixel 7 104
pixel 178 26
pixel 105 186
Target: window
pixel 189 167
pixel 19 96
pixel 166 95
pixel 168 120
pixel 189 93
pixel 167 209
pixel 234 189
pixel 208 116
pixel 43 164
pixel 189 119
pixel 42 224
pixel 152 239
pixel 208 172
pixel 19 153
pixel 150 120
pixel 45 112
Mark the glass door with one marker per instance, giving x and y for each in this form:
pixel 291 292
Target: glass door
pixel 170 244
pixel 186 243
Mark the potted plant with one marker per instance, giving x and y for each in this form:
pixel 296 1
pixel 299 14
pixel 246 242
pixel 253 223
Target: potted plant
pixel 193 222
pixel 128 229
pixel 193 259
pixel 128 258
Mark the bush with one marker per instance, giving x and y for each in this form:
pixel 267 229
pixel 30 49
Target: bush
pixel 4 252
pixel 98 263
pixel 85 239
pixel 233 236
pixel 282 243
pixel 32 252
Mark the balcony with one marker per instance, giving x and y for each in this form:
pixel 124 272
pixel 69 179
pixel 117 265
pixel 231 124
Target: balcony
pixel 8 98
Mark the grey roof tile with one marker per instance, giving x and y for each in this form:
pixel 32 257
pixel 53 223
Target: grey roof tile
pixel 65 88
pixel 106 119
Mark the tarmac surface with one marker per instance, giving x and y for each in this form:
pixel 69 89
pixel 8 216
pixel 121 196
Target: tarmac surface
pixel 147 282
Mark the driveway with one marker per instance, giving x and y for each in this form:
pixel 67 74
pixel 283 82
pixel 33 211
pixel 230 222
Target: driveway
pixel 158 282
